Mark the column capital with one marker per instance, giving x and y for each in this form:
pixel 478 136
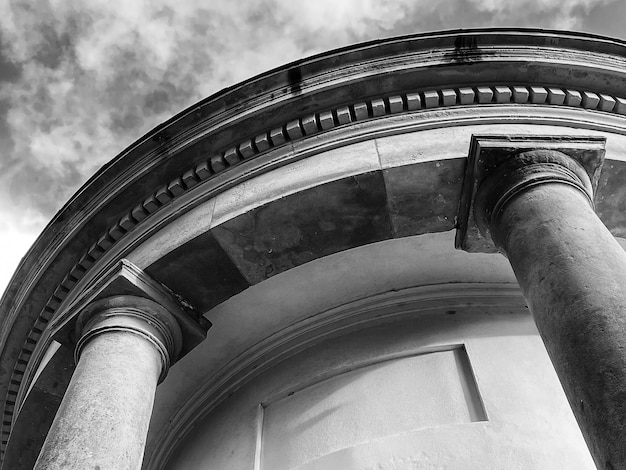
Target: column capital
pixel 131 314
pixel 518 173
pixel 502 167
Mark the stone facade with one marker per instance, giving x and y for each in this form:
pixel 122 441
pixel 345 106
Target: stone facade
pixel 270 279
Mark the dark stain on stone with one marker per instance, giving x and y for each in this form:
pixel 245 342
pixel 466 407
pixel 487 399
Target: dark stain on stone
pixel 200 271
pixel 294 77
pixel 317 222
pixel 465 50
pixel 424 198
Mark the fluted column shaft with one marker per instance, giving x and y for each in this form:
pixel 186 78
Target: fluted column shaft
pixel 125 346
pixel 572 272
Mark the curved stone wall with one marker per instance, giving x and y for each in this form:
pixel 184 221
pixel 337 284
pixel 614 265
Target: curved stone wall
pixel 473 389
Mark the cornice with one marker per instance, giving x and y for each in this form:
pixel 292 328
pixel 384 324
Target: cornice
pixel 170 144
pixel 317 123
pixel 277 96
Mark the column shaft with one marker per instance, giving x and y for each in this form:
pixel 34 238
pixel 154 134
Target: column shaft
pixel 125 347
pixel 572 272
pixel 103 419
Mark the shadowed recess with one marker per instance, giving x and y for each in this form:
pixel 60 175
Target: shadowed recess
pixel 424 198
pixel 200 272
pixel 297 229
pixel 611 197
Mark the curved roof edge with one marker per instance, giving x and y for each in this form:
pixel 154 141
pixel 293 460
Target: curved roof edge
pixel 566 39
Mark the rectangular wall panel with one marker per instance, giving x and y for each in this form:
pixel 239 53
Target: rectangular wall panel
pixel 376 401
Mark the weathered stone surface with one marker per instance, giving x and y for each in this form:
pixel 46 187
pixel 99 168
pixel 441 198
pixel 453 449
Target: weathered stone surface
pixel 537 208
pixel 126 346
pixel 499 167
pixel 572 272
pixel 200 271
pixel 424 198
pixel 103 420
pixel 316 222
pixel 355 75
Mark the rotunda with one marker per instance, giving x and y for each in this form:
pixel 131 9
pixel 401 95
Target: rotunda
pixel 401 254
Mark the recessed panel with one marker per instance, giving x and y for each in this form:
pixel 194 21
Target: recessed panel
pixel 381 400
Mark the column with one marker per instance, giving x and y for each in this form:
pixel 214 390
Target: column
pixel 537 208
pixel 125 347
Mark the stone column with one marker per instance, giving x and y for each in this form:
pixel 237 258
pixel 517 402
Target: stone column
pixel 125 348
pixel 537 208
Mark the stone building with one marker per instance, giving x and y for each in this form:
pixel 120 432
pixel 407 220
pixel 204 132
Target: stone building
pixel 333 265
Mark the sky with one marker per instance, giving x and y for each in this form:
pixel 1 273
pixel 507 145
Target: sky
pixel 80 80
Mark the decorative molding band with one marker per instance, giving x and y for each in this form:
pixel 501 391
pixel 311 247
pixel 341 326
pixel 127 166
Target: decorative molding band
pixel 136 315
pixel 293 130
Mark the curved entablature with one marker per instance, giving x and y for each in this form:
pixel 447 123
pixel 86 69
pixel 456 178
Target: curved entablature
pixel 356 98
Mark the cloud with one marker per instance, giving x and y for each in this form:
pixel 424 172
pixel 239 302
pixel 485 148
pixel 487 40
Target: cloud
pixel 555 14
pixel 87 78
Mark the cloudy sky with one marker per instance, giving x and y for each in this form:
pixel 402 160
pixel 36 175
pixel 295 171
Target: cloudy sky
pixel 82 79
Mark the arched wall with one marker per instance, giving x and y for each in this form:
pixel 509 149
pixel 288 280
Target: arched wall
pixel 473 389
